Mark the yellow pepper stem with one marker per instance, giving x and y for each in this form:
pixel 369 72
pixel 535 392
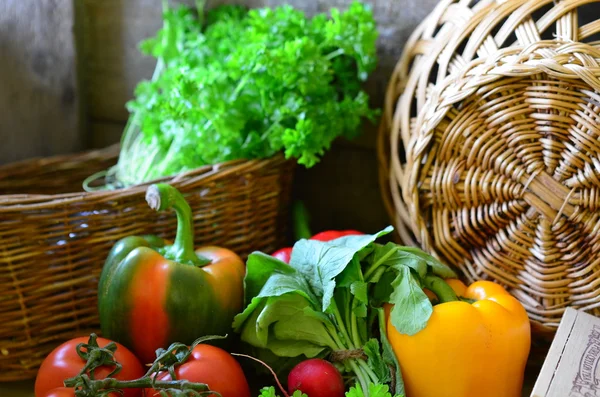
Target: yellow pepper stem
pixel 440 288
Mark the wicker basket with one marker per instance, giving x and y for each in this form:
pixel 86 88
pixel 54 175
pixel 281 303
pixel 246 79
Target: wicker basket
pixel 52 246
pixel 501 140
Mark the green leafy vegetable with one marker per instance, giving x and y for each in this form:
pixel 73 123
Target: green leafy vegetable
pixel 412 307
pixel 321 262
pixel 247 84
pixel 270 392
pixel 375 390
pixel 389 358
pixel 375 360
pixel 329 300
pixel 408 266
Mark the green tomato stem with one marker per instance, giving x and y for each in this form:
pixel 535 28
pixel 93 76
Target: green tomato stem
pixel 161 197
pixel 144 382
pixel 440 288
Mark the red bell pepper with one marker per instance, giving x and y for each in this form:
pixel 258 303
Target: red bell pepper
pixel 333 234
pixel 302 231
pixel 284 254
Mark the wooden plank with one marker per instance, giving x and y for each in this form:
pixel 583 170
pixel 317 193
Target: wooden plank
pixel 547 373
pixel 571 366
pixel 113 65
pixel 39 104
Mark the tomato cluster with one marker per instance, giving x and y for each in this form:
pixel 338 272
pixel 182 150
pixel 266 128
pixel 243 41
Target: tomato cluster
pixel 206 364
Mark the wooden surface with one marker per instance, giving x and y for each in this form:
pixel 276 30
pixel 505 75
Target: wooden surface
pixel 38 92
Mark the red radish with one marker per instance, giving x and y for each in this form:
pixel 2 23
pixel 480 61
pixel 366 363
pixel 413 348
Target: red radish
pixel 316 378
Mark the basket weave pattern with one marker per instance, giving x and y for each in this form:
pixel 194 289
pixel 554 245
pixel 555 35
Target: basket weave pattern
pixel 490 148
pixel 52 247
pixel 504 174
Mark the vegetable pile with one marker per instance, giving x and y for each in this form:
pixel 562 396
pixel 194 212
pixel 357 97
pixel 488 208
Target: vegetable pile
pixel 103 368
pixel 329 300
pixel 245 84
pixel 357 318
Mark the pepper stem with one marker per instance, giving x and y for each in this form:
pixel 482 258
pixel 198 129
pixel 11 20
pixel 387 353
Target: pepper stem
pixel 301 221
pixel 162 197
pixel 440 288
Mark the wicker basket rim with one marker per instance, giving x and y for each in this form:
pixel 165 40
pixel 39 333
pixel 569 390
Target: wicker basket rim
pixel 24 202
pixel 527 60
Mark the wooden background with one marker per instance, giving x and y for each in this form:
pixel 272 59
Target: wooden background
pixel 69 66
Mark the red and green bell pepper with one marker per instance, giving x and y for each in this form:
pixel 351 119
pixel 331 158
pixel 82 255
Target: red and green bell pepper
pixel 152 293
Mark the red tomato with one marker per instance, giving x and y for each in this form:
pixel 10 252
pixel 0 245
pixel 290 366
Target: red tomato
pixel 213 366
pixel 61 392
pixel 63 363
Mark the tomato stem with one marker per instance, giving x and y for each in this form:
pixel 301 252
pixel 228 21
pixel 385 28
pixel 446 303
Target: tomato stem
pixel 146 382
pixel 96 356
pixel 167 359
pixel 162 197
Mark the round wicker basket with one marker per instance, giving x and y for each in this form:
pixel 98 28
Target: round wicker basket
pixel 490 148
pixel 53 246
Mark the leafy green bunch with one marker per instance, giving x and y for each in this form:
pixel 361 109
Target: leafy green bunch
pixel 330 299
pixel 374 391
pixel 243 84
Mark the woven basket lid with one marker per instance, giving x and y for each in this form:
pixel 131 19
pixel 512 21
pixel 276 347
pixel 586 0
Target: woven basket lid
pixel 490 148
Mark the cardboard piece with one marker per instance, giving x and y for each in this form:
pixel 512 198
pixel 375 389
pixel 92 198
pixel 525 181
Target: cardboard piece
pixel 571 368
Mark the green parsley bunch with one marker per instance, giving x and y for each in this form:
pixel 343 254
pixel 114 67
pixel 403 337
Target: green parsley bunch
pixel 244 84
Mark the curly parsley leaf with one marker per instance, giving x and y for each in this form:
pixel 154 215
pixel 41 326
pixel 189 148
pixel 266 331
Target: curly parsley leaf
pixel 248 84
pixel 270 392
pixel 378 390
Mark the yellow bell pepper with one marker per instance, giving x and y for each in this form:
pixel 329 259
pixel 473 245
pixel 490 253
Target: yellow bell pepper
pixel 468 349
